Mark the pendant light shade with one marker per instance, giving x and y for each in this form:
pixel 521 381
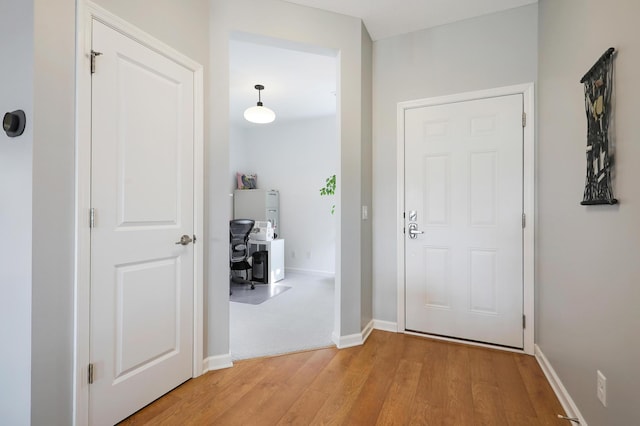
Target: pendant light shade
pixel 259 114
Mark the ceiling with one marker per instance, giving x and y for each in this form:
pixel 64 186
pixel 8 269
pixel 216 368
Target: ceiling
pixel 297 84
pixel 300 81
pixel 387 18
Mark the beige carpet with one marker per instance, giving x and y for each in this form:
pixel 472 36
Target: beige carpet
pixel 300 318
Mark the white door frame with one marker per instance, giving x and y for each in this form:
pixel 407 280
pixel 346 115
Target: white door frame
pixel 88 11
pixel 527 90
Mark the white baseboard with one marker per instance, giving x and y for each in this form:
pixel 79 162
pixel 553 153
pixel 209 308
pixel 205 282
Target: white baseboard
pixel 385 326
pixel 343 342
pixel 312 272
pixel 217 362
pixel 570 408
pixel 367 331
pixel 351 340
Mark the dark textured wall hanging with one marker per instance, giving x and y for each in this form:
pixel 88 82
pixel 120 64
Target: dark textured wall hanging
pixel 598 86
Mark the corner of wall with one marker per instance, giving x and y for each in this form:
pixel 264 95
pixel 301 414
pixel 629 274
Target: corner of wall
pixel 351 340
pixel 218 362
pixel 570 408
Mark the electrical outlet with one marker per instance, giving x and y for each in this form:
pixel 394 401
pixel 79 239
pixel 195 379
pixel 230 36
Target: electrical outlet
pixel 602 388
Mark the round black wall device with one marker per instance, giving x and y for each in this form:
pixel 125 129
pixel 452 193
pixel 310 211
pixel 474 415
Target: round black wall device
pixel 13 123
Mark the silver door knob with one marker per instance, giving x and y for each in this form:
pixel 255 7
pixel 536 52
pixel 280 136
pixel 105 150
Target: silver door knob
pixel 413 231
pixel 185 240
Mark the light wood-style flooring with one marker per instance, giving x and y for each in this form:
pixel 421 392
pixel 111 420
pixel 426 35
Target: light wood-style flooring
pixel 393 379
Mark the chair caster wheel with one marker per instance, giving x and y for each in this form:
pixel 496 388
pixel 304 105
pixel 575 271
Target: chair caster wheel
pixel 253 287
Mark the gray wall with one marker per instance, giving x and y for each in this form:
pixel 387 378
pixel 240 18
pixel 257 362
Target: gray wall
pixel 588 274
pixel 366 237
pixel 286 21
pixel 183 25
pixel 53 212
pixel 491 51
pixel 16 92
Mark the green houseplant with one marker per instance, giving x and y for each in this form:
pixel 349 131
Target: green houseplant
pixel 329 188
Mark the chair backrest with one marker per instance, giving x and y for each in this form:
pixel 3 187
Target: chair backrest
pixel 239 231
pixel 240 228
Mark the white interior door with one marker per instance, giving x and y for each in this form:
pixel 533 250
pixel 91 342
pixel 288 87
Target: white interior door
pixel 464 191
pixel 142 192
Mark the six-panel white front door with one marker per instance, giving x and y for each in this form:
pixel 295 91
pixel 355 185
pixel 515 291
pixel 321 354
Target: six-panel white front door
pixel 142 189
pixel 464 191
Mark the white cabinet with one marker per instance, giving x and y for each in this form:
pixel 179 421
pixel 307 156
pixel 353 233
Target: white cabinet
pixel 275 257
pixel 257 204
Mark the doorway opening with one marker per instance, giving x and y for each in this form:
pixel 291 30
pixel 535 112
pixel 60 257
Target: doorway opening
pixel 292 306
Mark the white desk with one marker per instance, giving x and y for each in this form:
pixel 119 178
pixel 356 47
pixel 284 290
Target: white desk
pixel 275 257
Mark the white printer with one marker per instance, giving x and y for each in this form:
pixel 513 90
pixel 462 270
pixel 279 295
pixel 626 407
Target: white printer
pixel 262 231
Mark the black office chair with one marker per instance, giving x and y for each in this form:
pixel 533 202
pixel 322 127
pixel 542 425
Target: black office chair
pixel 239 230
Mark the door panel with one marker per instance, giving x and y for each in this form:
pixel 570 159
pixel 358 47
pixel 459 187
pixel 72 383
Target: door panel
pixel 142 283
pixel 149 189
pixel 153 285
pixel 463 180
pixel 436 281
pixel 437 189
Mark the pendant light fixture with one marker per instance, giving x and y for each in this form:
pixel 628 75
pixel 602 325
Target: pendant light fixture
pixel 259 114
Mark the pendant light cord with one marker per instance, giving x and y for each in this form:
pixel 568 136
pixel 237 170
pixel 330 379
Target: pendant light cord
pixel 259 87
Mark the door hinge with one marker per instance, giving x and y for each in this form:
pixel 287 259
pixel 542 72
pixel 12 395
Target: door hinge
pixel 90 374
pixel 524 321
pixel 524 119
pixel 524 220
pixel 93 60
pixel 92 217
